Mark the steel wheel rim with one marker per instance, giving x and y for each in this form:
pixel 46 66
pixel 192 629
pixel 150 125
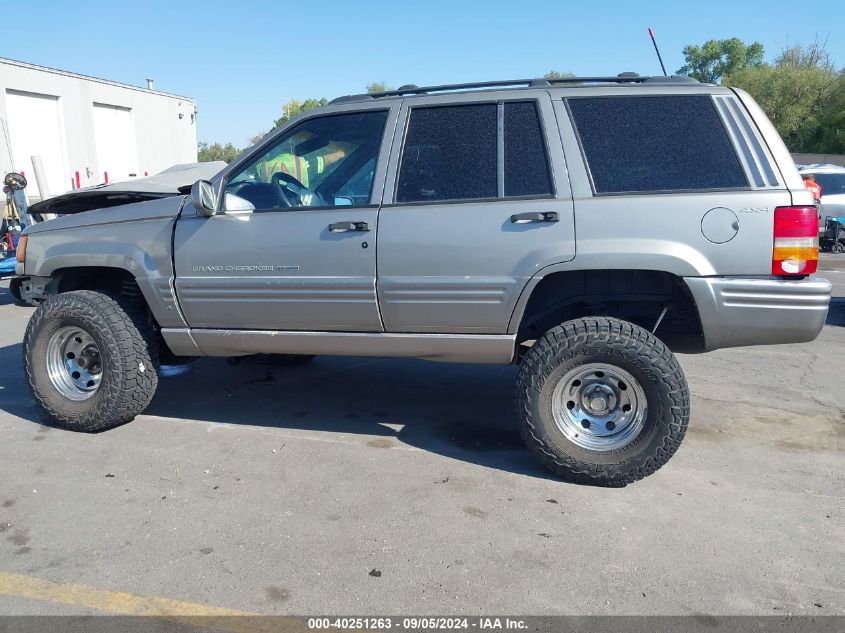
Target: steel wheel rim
pixel 599 407
pixel 74 364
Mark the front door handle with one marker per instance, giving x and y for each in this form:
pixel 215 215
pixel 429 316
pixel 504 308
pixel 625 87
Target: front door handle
pixel 535 216
pixel 343 227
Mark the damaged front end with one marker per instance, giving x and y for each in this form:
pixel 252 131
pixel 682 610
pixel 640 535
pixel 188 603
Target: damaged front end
pixel 174 181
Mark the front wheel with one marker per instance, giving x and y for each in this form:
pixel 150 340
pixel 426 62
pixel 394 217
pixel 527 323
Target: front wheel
pixel 88 364
pixel 602 401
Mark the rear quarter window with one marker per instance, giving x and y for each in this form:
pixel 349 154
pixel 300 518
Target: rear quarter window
pixel 655 143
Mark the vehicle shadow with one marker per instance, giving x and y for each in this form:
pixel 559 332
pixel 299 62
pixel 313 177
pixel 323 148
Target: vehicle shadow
pixel 6 297
pixel 461 411
pixel 836 312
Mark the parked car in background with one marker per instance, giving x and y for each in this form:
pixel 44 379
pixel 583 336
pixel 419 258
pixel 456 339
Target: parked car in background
pixel 831 179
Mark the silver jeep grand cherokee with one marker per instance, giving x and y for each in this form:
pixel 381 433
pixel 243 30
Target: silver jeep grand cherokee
pixel 583 229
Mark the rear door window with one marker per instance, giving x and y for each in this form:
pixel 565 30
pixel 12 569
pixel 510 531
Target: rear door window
pixel 526 165
pixel 449 154
pixel 655 143
pixel 474 151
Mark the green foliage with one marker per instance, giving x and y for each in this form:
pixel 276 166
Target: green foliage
pixel 831 133
pixel 803 96
pixel 207 153
pixel 256 137
pixel 717 58
pixel 814 55
pixel 295 107
pixel 556 74
pixel 378 86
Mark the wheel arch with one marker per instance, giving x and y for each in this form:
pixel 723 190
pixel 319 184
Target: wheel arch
pixel 639 296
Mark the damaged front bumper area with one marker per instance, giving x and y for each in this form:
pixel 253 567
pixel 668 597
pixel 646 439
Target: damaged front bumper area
pixel 30 289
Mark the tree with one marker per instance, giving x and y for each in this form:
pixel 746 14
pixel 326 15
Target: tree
pixel 814 55
pixel 831 137
pixel 256 137
pixel 295 107
pixel 717 58
pixel 802 94
pixel 556 74
pixel 378 86
pixel 207 153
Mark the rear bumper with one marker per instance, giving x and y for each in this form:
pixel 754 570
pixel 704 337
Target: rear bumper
pixel 740 311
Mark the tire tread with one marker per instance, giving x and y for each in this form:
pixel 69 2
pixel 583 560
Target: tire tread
pixel 127 388
pixel 616 337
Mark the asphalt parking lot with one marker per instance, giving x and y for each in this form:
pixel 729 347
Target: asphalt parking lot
pixel 373 486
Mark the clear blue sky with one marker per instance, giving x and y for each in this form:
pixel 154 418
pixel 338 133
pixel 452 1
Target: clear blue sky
pixel 242 60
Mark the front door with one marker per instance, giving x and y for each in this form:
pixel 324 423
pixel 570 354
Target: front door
pixel 295 246
pixel 476 202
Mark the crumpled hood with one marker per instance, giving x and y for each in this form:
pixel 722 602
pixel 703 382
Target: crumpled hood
pixel 166 207
pixel 162 185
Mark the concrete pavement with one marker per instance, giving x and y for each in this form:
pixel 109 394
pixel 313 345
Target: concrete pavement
pixel 373 486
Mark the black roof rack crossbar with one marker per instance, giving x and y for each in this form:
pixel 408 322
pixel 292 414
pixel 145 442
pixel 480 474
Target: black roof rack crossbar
pixel 418 90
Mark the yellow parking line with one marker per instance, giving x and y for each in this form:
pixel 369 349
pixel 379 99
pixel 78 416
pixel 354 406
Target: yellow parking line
pixel 124 603
pixel 119 602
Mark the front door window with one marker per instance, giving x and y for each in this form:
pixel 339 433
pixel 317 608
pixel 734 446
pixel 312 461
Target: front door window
pixel 322 162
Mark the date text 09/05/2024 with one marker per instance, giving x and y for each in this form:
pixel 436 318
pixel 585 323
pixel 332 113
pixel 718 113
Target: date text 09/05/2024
pixel 416 623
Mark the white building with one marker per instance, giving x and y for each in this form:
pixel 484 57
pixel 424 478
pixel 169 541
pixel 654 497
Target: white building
pixel 88 130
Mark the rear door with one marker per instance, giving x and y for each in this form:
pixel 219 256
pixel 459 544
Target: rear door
pixel 476 201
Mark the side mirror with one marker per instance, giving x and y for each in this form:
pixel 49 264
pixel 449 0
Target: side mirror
pixel 202 195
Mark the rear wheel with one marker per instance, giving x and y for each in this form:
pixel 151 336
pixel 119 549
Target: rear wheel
pixel 87 362
pixel 602 401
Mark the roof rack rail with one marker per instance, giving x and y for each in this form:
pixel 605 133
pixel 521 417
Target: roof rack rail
pixel 411 89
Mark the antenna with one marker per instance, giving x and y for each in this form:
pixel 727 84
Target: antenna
pixel 657 50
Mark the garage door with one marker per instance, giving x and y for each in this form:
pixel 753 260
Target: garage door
pixel 117 148
pixel 36 129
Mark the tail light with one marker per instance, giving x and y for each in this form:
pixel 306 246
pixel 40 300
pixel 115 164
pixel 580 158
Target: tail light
pixel 796 243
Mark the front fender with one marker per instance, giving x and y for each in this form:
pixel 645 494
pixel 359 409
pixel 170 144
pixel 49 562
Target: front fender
pixel 142 248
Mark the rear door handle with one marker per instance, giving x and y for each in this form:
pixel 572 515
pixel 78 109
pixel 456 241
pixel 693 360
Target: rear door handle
pixel 535 216
pixel 343 227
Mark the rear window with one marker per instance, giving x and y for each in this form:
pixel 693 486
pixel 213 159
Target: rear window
pixel 661 143
pixel 831 184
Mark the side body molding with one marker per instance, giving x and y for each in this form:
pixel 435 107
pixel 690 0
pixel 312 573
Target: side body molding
pixel 450 348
